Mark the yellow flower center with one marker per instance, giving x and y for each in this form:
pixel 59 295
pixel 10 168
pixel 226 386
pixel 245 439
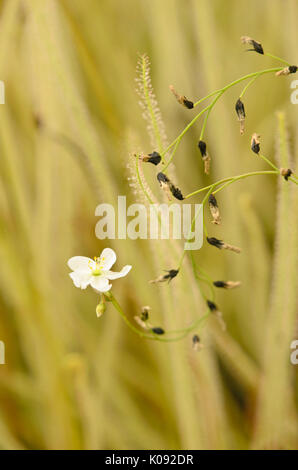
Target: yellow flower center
pixel 97 271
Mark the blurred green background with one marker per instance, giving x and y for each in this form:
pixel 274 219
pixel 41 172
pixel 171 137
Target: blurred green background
pixel 71 380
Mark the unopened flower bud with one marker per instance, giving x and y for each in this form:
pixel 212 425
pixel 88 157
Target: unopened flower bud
pixel 100 309
pixel 213 206
pixel 181 99
pixel 255 143
pixel 239 107
pixel 257 46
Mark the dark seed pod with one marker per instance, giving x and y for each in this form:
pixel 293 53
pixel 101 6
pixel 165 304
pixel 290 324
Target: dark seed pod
pixel 187 103
pixel 145 313
pixel 287 70
pixel 203 148
pixel 214 310
pixel 240 110
pixel 205 156
pixel 212 200
pixel 257 46
pixel 196 343
pixel 195 339
pixel 212 306
pixel 222 245
pixel 158 331
pixel 293 68
pixel 219 284
pixel 181 99
pixel 286 173
pixel 255 143
pixel 176 193
pixel 213 206
pixel 239 106
pixel 171 274
pixel 155 158
pixel 169 187
pixel 166 277
pixel 215 242
pixel 162 178
pixel 227 284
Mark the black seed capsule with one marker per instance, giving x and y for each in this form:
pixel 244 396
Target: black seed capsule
pixel 219 284
pixel 158 331
pixel 196 343
pixel 212 200
pixel 227 284
pixel 166 277
pixel 155 158
pixel 212 306
pixel 239 107
pixel 240 110
pixel 171 274
pixel 176 193
pixel 181 99
pixel 188 104
pixel 257 46
pixel 162 178
pixel 215 242
pixel 195 339
pixel 286 173
pixel 255 143
pixel 203 148
pixel 293 68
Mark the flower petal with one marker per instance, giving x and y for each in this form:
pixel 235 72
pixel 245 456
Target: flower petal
pixel 81 278
pixel 107 259
pixel 81 263
pixel 100 283
pixel 114 275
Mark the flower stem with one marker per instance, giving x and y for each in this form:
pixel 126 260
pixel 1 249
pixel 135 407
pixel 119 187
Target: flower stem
pixel 218 92
pixel 232 179
pixel 277 58
pixel 182 333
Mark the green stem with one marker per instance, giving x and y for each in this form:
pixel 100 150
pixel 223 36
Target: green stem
pixel 234 178
pixel 182 333
pixel 220 93
pixel 276 58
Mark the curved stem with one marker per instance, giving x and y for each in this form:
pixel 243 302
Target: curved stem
pixel 220 93
pixel 234 178
pixel 182 333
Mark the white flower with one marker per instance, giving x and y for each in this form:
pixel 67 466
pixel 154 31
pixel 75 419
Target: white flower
pixel 96 273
